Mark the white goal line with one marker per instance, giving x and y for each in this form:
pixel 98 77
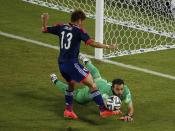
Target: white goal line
pixel 104 60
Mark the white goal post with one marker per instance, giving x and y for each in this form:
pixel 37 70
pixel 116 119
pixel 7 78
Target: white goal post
pixel 136 26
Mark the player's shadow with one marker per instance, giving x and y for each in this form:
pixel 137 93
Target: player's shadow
pixel 35 96
pixel 89 121
pixel 56 104
pixel 84 112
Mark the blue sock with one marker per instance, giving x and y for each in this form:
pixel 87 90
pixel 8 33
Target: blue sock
pixel 96 96
pixel 69 100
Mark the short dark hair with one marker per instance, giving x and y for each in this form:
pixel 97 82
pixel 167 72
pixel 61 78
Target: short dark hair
pixel 117 81
pixel 78 15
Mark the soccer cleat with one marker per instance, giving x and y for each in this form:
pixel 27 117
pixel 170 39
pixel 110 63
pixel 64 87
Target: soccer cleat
pixel 53 78
pixel 70 114
pixel 83 58
pixel 108 113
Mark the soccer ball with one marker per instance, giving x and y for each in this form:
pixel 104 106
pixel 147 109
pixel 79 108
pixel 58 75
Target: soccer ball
pixel 113 103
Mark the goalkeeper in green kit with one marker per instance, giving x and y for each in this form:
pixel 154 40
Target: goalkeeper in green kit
pixel 117 87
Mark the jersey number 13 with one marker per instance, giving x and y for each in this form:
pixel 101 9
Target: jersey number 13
pixel 68 37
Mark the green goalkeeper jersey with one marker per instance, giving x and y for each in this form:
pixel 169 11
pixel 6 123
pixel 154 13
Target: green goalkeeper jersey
pixel 83 95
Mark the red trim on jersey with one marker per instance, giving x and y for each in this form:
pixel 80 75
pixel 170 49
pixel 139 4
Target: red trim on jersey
pixel 44 30
pixel 71 24
pixel 89 41
pixel 82 30
pixel 75 25
pixel 85 77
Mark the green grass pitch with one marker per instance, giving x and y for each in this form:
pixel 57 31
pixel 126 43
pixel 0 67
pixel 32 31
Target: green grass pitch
pixel 29 101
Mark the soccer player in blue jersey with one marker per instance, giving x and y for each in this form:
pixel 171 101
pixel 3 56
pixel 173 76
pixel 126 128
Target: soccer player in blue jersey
pixel 70 35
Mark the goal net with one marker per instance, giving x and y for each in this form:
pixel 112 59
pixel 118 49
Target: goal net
pixel 136 26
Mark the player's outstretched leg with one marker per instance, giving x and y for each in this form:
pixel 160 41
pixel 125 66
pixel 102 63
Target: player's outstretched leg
pixel 64 88
pixel 93 70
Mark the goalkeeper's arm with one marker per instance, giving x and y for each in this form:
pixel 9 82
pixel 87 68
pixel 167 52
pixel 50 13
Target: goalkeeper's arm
pixel 130 109
pixel 129 116
pixel 130 112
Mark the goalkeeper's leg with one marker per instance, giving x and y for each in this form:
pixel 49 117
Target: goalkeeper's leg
pixel 93 70
pixel 60 85
pixel 80 95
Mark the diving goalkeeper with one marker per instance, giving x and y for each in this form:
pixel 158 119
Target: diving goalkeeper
pixel 117 87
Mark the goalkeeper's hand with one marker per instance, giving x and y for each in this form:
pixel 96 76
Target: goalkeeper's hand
pixel 126 118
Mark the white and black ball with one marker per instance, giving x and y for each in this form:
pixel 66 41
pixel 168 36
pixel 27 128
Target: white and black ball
pixel 113 103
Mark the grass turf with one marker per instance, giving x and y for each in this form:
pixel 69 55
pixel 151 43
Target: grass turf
pixel 30 102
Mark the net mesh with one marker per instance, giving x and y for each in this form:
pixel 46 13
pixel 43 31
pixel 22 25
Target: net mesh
pixel 136 26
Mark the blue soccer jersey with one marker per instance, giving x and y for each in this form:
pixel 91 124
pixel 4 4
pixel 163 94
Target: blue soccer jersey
pixel 70 37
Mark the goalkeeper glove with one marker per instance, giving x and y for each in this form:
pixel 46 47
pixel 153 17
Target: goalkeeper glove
pixel 126 118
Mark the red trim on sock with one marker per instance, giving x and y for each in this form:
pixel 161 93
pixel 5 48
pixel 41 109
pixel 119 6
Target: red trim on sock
pixel 69 107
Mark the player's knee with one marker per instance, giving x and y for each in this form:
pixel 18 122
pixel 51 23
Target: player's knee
pixel 93 87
